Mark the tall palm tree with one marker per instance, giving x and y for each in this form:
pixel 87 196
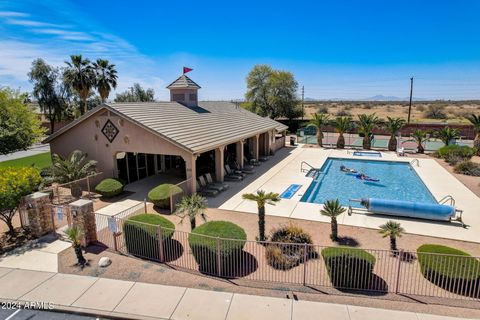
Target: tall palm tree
pixel 105 77
pixel 319 121
pixel 79 76
pixel 332 209
pixel 366 124
pixel 475 120
pixel 75 234
pixel 262 198
pixel 393 230
pixel 342 125
pixel 192 207
pixel 420 137
pixel 448 134
pixel 393 125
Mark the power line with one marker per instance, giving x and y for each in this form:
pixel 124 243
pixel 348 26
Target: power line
pixel 410 104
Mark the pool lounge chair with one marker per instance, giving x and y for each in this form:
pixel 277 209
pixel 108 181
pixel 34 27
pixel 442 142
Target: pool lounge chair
pixel 253 162
pixel 205 184
pixel 206 192
pixel 229 171
pixel 246 169
pixel 232 176
pixel 210 182
pixel 401 152
pixel 263 158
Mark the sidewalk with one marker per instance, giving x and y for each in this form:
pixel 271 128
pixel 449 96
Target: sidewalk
pixel 135 300
pixel 33 150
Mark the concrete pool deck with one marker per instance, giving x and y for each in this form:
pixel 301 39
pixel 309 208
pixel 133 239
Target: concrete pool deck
pixel 438 180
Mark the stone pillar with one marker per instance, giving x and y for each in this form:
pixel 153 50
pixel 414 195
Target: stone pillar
pixel 219 163
pixel 267 143
pixel 191 172
pixel 255 147
pixel 83 217
pixel 39 212
pixel 239 152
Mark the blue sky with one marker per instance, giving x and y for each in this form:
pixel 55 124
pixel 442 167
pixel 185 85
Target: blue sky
pixel 336 49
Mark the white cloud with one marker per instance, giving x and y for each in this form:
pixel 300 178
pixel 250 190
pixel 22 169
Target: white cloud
pixel 32 23
pixel 13 14
pixel 66 34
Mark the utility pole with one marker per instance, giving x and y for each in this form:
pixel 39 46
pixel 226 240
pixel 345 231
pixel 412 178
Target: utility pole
pixel 410 105
pixel 303 105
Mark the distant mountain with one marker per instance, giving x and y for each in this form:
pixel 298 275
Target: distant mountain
pixel 378 97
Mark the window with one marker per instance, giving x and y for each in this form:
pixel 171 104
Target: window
pixel 192 97
pixel 178 97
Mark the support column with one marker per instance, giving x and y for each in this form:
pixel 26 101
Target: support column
pixel 83 218
pixel 39 212
pixel 191 172
pixel 239 152
pixel 268 139
pixel 255 147
pixel 219 163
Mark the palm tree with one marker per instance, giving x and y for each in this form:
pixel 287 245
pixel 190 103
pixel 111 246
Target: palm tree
pixel 448 134
pixel 262 198
pixel 475 120
pixel 332 209
pixel 393 125
pixel 366 124
pixel 420 137
pixel 105 77
pixel 75 234
pixel 192 207
pixel 79 76
pixel 393 230
pixel 342 125
pixel 319 121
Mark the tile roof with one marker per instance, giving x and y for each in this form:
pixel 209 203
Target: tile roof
pixel 183 82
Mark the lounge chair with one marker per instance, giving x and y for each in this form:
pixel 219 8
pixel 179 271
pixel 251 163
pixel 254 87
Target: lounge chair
pixel 204 184
pixel 212 183
pixel 246 169
pixel 207 192
pixel 229 171
pixel 232 176
pixel 401 151
pixel 263 158
pixel 253 162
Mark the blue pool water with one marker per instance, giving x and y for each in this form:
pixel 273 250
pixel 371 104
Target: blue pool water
pixel 398 181
pixel 291 190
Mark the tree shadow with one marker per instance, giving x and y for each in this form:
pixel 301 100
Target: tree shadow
pixel 406 257
pixel 375 286
pixel 235 264
pixel 348 241
pixel 172 250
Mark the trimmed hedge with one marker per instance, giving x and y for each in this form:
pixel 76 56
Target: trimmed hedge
pixel 141 238
pixel 109 187
pixel 449 268
pixel 349 268
pixel 468 168
pixel 160 195
pixel 203 243
pixel 454 154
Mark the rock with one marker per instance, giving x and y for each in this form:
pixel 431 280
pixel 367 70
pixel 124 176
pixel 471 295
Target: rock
pixel 104 262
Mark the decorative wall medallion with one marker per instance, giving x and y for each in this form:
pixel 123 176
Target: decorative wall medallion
pixel 120 122
pixel 126 140
pixel 97 123
pixel 109 131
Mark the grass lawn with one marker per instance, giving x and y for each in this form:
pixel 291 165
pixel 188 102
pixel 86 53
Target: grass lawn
pixel 41 160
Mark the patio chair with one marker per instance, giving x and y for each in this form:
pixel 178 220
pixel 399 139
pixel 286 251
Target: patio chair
pixel 246 169
pixel 232 176
pixel 401 152
pixel 263 158
pixel 253 162
pixel 206 192
pixel 229 171
pixel 204 184
pixel 211 182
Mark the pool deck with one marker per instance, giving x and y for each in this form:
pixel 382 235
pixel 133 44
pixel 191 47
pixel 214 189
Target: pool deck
pixel 438 180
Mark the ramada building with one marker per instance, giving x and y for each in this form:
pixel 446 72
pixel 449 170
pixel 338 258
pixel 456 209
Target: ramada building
pixel 182 137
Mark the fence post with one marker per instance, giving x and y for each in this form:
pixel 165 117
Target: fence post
pixel 305 248
pixel 397 285
pixel 88 187
pixel 219 260
pixel 115 245
pixel 160 243
pixel 145 205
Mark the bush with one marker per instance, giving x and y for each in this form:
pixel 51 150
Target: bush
pixel 435 112
pixel 449 268
pixel 288 256
pixel 455 153
pixel 203 243
pixel 342 113
pixel 109 187
pixel 141 234
pixel 160 195
pixel 322 109
pixel 468 168
pixel 349 268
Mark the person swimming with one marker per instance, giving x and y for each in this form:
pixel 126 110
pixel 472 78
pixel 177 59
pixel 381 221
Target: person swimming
pixel 345 169
pixel 364 177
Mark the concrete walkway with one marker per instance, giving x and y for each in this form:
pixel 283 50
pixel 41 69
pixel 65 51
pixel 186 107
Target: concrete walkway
pixel 135 300
pixel 33 150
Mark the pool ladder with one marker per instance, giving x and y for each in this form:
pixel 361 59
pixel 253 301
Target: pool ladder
pixel 415 161
pixel 302 169
pixel 447 198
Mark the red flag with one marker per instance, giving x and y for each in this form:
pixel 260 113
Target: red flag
pixel 185 70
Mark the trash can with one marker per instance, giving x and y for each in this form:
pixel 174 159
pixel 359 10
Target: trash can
pixel 292 140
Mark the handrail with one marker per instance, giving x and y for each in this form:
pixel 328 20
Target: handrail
pixel 301 166
pixel 415 160
pixel 446 199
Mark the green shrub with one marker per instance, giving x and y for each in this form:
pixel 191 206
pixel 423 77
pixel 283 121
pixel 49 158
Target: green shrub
pixel 109 187
pixel 160 195
pixel 141 234
pixel 349 268
pixel 451 269
pixel 203 242
pixel 435 112
pixel 468 168
pixel 285 257
pixel 455 153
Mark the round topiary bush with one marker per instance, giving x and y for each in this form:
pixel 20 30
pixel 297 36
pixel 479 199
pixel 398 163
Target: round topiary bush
pixel 204 244
pixel 141 234
pixel 288 250
pixel 109 187
pixel 349 268
pixel 451 269
pixel 160 195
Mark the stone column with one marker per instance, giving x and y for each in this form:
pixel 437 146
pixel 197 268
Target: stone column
pixel 83 217
pixel 219 163
pixel 39 212
pixel 268 139
pixel 191 172
pixel 255 147
pixel 239 152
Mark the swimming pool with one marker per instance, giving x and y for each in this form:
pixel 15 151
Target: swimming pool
pixel 398 181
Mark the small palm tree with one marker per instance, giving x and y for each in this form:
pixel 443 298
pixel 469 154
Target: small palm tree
pixel 366 124
pixel 393 230
pixel 75 234
pixel 105 77
pixel 262 198
pixel 420 137
pixel 79 76
pixel 448 134
pixel 192 207
pixel 319 121
pixel 475 120
pixel 393 125
pixel 332 209
pixel 342 125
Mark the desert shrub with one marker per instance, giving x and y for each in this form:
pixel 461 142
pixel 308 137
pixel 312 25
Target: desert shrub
pixel 468 168
pixel 141 234
pixel 342 112
pixel 421 108
pixel 289 255
pixel 349 268
pixel 322 109
pixel 109 187
pixel 435 112
pixel 454 154
pixel 367 106
pixel 450 268
pixel 203 243
pixel 160 195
